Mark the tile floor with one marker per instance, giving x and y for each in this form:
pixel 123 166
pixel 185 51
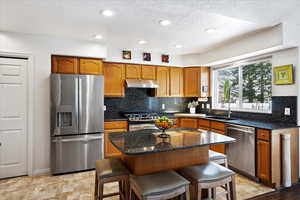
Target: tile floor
pixel 80 186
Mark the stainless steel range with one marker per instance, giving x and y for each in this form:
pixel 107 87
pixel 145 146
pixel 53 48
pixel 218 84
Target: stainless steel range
pixel 142 120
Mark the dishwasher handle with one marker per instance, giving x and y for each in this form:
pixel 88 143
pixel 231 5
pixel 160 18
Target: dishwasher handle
pixel 241 130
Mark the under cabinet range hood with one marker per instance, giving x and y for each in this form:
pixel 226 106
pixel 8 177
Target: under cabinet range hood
pixel 134 83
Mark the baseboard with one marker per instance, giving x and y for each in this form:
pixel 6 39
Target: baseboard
pixel 41 171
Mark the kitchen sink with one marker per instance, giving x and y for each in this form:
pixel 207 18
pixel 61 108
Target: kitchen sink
pixel 220 117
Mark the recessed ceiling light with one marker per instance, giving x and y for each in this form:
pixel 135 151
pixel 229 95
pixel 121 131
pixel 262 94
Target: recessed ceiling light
pixel 210 30
pixel 142 42
pixel 98 37
pixel 178 46
pixel 164 22
pixel 107 13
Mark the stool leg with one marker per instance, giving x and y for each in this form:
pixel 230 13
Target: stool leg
pixel 209 193
pixel 96 187
pixel 228 190
pixel 233 188
pixel 187 192
pixel 100 190
pixel 214 193
pixel 226 162
pixel 120 189
pixel 199 192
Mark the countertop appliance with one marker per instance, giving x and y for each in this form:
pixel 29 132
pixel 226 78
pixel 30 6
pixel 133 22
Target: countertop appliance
pixel 141 120
pixel 241 154
pixel 77 122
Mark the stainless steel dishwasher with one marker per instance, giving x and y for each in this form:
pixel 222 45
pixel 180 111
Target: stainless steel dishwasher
pixel 241 154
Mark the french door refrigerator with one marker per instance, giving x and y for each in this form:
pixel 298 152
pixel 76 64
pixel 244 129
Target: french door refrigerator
pixel 77 122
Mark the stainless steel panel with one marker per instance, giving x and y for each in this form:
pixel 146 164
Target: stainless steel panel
pixel 241 154
pixel 133 83
pixel 91 102
pixel 136 127
pixel 75 153
pixel 64 104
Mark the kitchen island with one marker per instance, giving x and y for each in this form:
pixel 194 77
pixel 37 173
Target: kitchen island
pixel 144 152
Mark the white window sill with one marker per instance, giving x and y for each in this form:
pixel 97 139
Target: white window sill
pixel 248 111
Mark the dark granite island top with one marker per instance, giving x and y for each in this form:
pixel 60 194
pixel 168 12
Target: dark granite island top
pixel 147 141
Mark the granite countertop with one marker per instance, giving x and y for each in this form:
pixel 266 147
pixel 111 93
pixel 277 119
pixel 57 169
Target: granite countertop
pixel 147 141
pixel 243 122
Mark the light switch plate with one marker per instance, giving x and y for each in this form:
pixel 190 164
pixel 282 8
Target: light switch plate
pixel 207 106
pixel 203 106
pixel 287 111
pixel 163 106
pixel 104 107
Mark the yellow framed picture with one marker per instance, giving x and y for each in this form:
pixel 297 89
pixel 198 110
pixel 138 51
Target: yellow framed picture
pixel 283 75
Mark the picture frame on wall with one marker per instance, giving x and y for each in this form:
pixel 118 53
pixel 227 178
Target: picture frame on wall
pixel 165 58
pixel 126 55
pixel 283 75
pixel 146 56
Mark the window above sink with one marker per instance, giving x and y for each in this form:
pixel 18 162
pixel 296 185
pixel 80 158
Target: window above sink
pixel 251 89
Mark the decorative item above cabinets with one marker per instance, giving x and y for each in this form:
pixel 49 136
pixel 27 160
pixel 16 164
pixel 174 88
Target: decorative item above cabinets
pixel 76 65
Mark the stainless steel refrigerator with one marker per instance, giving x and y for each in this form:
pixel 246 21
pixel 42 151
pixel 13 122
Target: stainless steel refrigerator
pixel 77 122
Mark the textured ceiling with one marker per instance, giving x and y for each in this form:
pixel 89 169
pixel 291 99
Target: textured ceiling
pixel 138 19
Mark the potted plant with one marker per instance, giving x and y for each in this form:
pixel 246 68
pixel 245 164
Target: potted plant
pixel 192 106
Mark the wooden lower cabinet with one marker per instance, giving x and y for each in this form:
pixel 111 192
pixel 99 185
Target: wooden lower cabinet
pixel 188 123
pixel 219 147
pixel 263 160
pixel 113 127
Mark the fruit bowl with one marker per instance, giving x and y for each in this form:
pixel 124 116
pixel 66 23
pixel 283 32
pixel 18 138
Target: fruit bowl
pixel 164 123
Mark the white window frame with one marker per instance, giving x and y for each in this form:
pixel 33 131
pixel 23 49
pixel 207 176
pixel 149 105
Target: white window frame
pixel 234 65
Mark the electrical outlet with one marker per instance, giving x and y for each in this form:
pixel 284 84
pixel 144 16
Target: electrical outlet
pixel 287 111
pixel 163 106
pixel 208 106
pixel 104 107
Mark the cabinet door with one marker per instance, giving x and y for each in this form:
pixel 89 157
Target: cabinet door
pixel 162 75
pixel 64 64
pixel 176 82
pixel 148 72
pixel 205 82
pixel 133 71
pixel 192 82
pixel 114 76
pixel 219 147
pixel 263 160
pixel 110 149
pixel 188 123
pixel 90 66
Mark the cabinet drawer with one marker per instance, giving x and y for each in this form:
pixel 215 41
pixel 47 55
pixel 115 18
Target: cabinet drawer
pixel 203 123
pixel 217 131
pixel 188 123
pixel 204 128
pixel 115 125
pixel 218 125
pixel 263 134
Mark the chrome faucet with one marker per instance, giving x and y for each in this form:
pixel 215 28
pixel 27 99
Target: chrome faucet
pixel 229 111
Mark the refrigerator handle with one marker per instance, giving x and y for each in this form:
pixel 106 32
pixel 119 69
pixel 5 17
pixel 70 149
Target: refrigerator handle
pixel 79 100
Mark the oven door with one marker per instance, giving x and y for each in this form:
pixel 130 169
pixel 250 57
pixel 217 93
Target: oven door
pixel 136 127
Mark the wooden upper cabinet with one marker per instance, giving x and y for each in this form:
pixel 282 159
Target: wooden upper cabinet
pixel 148 72
pixel 64 64
pixel 192 77
pixel 90 66
pixel 205 82
pixel 133 71
pixel 176 82
pixel 114 81
pixel 162 77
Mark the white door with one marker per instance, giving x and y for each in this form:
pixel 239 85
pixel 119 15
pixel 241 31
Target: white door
pixel 13 104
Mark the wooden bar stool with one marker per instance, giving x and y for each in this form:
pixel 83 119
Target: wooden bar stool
pixel 159 186
pixel 218 158
pixel 111 170
pixel 210 176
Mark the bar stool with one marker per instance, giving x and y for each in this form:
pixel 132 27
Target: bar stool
pixel 111 170
pixel 159 186
pixel 218 158
pixel 210 176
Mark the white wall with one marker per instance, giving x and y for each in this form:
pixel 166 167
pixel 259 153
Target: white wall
pixel 41 47
pixel 248 44
pixel 285 57
pixel 115 55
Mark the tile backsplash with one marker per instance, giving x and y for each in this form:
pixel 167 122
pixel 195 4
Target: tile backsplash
pixel 279 103
pixel 140 100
